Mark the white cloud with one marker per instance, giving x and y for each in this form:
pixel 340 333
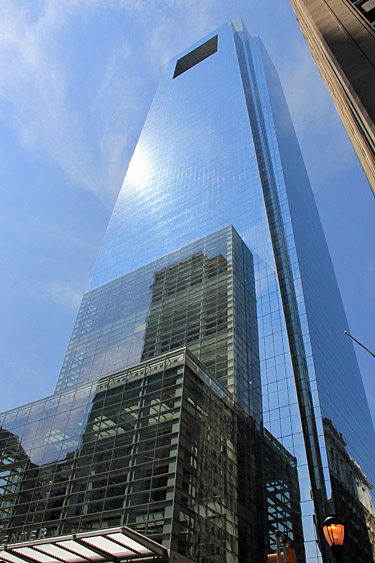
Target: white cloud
pixel 175 30
pixel 64 294
pixel 116 107
pixel 306 93
pixel 319 129
pixel 32 81
pixel 34 86
pixel 91 147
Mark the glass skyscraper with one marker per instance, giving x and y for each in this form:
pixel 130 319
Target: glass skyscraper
pixel 215 245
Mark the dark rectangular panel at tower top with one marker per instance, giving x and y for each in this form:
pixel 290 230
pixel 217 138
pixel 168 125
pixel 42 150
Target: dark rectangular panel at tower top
pixel 196 56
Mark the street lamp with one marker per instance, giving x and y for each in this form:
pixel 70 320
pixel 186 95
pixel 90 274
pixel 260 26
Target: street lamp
pixel 334 531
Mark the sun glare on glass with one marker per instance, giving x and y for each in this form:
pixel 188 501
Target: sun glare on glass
pixel 138 171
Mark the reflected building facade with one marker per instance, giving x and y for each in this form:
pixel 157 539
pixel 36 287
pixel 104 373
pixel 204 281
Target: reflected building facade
pixel 280 477
pixel 214 245
pixel 351 492
pixel 201 296
pixel 160 447
pixel 164 447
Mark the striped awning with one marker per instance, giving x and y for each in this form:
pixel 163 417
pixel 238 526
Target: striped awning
pixel 113 545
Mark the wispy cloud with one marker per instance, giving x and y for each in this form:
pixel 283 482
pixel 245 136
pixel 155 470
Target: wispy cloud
pixel 32 80
pixel 116 105
pixel 175 30
pixel 313 114
pixel 90 144
pixel 93 146
pixel 34 93
pixel 91 149
pixel 64 294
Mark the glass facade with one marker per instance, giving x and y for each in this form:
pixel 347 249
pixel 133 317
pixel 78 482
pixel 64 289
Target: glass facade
pixel 281 489
pixel 201 295
pixel 218 147
pixel 214 244
pixel 161 448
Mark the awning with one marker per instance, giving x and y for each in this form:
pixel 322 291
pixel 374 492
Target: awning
pixel 113 545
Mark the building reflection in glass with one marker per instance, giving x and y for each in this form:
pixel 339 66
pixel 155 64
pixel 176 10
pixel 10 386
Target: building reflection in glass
pixel 351 496
pixel 164 450
pixel 172 446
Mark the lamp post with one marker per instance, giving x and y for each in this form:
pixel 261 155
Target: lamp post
pixel 334 532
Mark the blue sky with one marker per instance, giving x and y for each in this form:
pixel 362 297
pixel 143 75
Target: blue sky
pixel 76 81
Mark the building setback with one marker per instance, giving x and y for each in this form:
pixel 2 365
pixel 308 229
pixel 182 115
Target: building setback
pixel 341 37
pixel 215 246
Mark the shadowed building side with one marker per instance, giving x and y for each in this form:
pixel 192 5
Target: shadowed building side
pixel 341 38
